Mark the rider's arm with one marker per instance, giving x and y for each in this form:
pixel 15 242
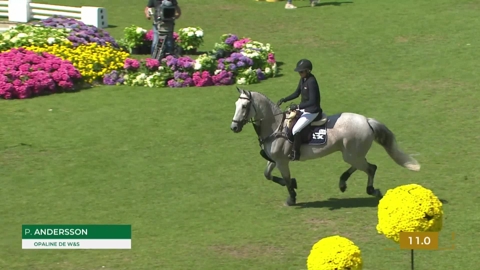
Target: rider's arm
pixel 150 4
pixel 313 94
pixel 294 95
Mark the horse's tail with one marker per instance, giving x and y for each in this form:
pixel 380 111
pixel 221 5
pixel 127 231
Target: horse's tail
pixel 386 138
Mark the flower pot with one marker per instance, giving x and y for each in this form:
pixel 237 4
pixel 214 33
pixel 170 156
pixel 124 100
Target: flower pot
pixel 179 51
pixel 146 49
pixel 191 51
pixel 135 50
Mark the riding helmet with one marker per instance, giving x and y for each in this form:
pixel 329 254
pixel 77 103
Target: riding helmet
pixel 303 65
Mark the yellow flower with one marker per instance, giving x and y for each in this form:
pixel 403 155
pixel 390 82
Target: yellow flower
pixel 409 208
pixel 335 252
pixel 93 61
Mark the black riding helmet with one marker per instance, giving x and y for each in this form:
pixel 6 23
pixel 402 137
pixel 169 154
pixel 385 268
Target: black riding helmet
pixel 303 65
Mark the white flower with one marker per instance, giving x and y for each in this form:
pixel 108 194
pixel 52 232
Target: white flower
pixel 160 68
pixel 218 71
pixel 274 68
pixel 140 30
pixel 51 40
pixel 197 66
pixel 241 81
pixel 190 34
pixel 22 35
pixel 268 71
pixel 199 33
pixel 13 40
pixel 150 80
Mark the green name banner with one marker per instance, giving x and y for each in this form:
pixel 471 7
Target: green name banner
pixel 68 231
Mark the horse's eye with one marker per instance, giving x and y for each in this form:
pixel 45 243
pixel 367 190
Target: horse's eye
pixel 244 106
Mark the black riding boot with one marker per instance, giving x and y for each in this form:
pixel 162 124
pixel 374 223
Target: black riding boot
pixel 297 142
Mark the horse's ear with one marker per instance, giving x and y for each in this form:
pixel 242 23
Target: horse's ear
pixel 239 90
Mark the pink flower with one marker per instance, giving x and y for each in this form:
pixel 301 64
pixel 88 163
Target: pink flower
pixel 271 59
pixel 26 73
pixel 239 43
pixel 202 79
pixel 152 64
pixel 149 35
pixel 131 64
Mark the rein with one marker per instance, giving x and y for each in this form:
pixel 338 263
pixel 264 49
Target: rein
pixel 257 129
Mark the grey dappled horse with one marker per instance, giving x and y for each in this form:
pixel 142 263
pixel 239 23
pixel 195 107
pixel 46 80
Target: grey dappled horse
pixel 350 133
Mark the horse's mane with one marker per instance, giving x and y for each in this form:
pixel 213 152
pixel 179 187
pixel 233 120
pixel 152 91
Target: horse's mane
pixel 274 106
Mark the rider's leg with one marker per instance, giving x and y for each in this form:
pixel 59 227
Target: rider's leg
pixel 302 122
pixel 155 38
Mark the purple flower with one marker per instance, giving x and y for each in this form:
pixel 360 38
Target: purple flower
pixel 83 34
pixel 230 40
pixel 260 75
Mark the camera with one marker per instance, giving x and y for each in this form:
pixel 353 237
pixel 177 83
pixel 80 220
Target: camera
pixel 165 11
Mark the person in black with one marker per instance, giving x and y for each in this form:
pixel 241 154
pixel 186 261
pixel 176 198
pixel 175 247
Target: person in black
pixel 310 103
pixel 166 26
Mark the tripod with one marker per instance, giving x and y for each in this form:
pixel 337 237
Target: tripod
pixel 160 49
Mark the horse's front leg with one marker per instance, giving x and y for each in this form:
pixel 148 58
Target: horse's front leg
pixel 279 180
pixel 291 185
pixel 268 171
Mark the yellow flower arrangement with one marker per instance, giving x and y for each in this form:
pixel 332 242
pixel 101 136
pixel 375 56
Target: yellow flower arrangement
pixel 409 208
pixel 92 60
pixel 335 252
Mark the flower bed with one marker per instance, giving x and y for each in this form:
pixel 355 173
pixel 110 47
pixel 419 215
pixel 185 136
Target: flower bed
pixel 98 58
pixel 234 60
pixel 25 73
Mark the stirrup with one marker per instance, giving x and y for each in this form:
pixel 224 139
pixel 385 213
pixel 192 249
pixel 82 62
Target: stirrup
pixel 294 155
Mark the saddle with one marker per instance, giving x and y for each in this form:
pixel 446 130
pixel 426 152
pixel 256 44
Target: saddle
pixel 307 133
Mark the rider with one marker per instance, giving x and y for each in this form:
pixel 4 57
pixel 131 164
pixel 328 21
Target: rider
pixel 310 103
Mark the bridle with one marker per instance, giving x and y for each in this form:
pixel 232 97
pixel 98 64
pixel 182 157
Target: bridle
pixel 252 120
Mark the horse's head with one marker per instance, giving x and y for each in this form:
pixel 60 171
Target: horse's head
pixel 243 110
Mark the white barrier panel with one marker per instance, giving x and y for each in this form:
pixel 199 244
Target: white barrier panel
pixel 3 8
pixel 23 11
pixel 19 11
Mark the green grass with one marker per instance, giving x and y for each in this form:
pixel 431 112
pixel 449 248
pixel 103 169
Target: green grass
pixel 165 161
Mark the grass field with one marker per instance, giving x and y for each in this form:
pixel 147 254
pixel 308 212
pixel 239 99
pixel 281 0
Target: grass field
pixel 165 161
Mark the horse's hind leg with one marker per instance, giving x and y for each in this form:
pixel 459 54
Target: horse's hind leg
pixel 342 184
pixel 370 169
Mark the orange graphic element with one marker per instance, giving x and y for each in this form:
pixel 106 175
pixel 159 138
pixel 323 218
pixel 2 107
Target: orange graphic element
pixel 419 240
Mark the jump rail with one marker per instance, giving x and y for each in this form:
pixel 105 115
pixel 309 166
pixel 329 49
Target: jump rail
pixel 23 11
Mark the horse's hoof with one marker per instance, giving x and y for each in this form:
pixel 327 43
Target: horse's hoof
pixel 378 193
pixel 290 201
pixel 343 188
pixel 371 190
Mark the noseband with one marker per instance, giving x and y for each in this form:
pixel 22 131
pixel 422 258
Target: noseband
pixel 247 113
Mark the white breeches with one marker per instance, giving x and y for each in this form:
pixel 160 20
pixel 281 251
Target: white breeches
pixel 304 120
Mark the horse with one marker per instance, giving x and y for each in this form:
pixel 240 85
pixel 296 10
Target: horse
pixel 350 133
